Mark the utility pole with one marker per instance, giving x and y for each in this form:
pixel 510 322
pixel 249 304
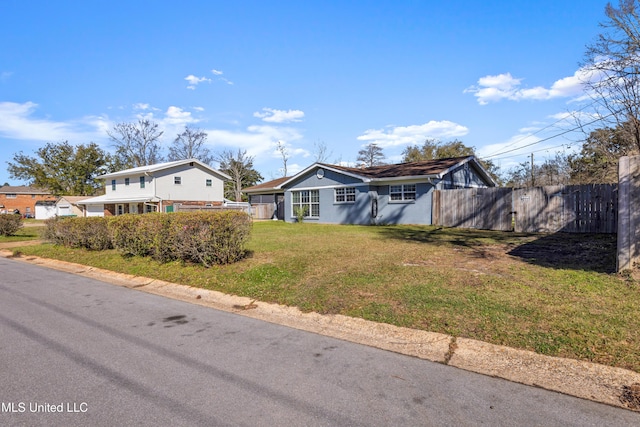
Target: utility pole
pixel 533 176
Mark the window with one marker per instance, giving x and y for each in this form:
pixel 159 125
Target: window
pixel 177 180
pixel 209 183
pixel 345 195
pixel 308 200
pixel 142 182
pixel 398 193
pixel 12 196
pixel 113 185
pixel 126 181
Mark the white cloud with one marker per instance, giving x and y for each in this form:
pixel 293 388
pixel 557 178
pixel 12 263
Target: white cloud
pixel 177 116
pixel 17 122
pixel 218 74
pixel 5 75
pixel 272 115
pixel 259 141
pixel 414 134
pixel 195 81
pixel 505 86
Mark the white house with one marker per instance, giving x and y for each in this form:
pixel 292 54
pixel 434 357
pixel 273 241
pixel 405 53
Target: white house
pixel 158 188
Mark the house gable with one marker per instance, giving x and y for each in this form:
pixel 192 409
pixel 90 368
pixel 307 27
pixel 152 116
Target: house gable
pixel 321 175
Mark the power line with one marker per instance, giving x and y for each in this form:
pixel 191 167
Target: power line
pixel 550 137
pixel 537 132
pixel 535 151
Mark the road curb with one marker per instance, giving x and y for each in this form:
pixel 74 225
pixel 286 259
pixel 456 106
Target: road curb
pixel 581 379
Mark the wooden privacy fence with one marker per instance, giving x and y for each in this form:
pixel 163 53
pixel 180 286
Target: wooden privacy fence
pixel 589 208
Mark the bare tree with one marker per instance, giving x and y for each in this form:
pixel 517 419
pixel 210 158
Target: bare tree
pixel 371 155
pixel 613 65
pixel 190 145
pixel 136 143
pixel 284 153
pixel 320 151
pixel 239 167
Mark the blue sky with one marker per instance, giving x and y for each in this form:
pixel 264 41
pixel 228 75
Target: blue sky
pixel 494 74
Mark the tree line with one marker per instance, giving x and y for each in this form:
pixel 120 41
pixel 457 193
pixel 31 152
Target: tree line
pixel 73 170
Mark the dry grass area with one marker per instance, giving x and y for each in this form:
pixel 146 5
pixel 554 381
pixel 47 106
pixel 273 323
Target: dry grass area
pixel 553 294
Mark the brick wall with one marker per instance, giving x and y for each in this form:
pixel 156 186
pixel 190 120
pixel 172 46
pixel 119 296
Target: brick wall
pixel 23 202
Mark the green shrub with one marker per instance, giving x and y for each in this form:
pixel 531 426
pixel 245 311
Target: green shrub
pixel 207 238
pixel 133 234
pixel 211 238
pixel 9 224
pixel 300 212
pixel 90 233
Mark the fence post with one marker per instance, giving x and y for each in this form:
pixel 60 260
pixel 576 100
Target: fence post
pixel 628 212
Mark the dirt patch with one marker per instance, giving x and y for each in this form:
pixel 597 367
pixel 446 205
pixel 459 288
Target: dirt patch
pixel 593 252
pixel 631 396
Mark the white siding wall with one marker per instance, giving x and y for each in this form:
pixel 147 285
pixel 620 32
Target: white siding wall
pixel 131 190
pixel 192 187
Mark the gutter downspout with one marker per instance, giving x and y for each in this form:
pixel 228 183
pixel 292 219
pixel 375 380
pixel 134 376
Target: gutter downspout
pixel 154 192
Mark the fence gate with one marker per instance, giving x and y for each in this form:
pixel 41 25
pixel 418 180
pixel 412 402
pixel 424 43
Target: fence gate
pixel 590 208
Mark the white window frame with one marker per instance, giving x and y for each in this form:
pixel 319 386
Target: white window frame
pixel 209 182
pixel 12 196
pixel 308 198
pixel 126 182
pixel 345 195
pixel 403 193
pixel 177 180
pixel 113 185
pixel 142 182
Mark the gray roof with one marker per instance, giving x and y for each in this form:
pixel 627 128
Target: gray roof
pixel 141 170
pixel 23 189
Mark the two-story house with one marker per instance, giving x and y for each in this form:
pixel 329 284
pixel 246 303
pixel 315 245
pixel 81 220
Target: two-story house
pixel 23 198
pixel 158 188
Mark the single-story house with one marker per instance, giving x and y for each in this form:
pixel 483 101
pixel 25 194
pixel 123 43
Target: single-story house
pixel 267 199
pixel 23 198
pixel 71 206
pixel 386 194
pixel 159 188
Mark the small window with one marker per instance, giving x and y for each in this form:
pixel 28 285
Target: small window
pixel 126 181
pixel 177 180
pixel 209 183
pixel 142 182
pixel 113 185
pixel 12 196
pixel 345 195
pixel 404 192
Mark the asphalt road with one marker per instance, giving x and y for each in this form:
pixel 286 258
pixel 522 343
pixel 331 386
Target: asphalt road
pixel 104 355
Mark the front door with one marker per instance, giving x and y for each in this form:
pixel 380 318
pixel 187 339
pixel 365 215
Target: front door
pixel 280 206
pixel 119 209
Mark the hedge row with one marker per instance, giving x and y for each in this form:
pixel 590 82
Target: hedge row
pixel 207 238
pixel 9 224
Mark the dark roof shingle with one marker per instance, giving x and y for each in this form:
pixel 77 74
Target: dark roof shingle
pixel 424 168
